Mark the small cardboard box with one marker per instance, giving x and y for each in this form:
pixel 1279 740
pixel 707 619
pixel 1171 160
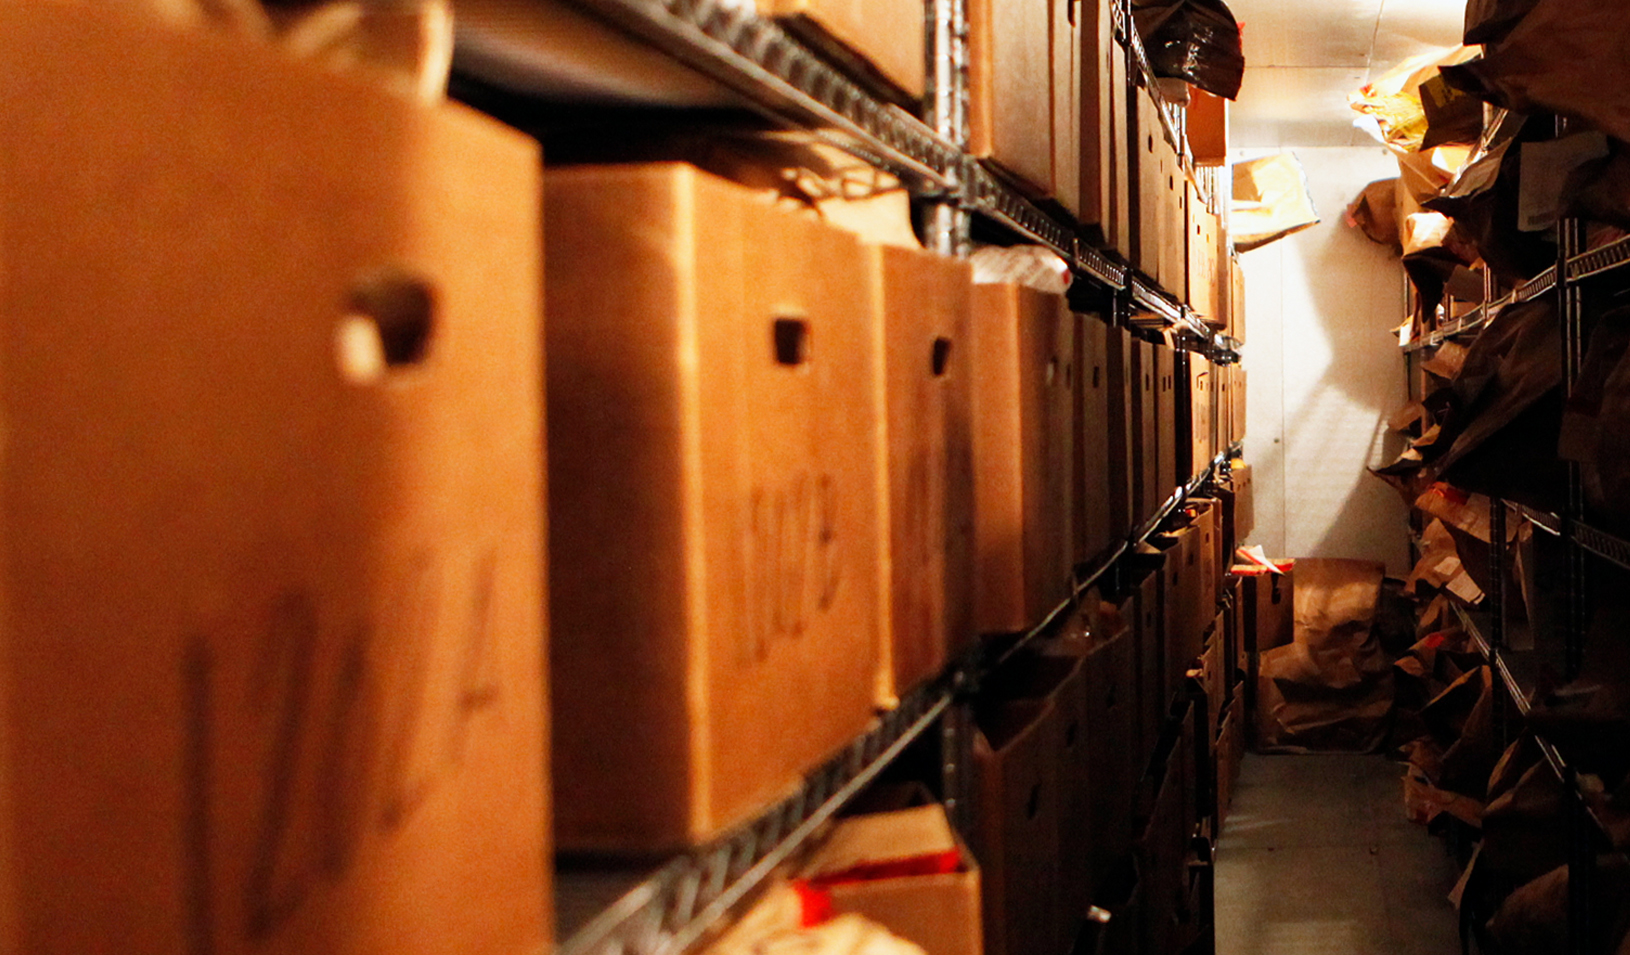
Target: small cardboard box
pixel 883 38
pixel 1172 467
pixel 939 912
pixel 1244 502
pixel 1270 606
pixel 1146 576
pixel 1016 833
pixel 274 618
pixel 1207 127
pixel 1117 468
pixel 1025 97
pixel 1105 176
pixel 923 389
pixel 1206 513
pixel 1023 353
pixel 714 501
pixel 1149 489
pixel 1059 673
pixel 1155 168
pixel 1200 413
pixel 1095 532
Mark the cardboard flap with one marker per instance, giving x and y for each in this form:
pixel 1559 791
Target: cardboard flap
pixel 883 837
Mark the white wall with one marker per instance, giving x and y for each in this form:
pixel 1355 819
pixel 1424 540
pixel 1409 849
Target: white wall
pixel 1325 373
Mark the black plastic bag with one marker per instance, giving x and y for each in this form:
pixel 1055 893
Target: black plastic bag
pixel 1194 40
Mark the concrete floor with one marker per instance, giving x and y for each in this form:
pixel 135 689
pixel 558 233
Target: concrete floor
pixel 1317 859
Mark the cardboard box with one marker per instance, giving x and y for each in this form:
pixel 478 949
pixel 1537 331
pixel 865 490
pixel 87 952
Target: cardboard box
pixel 1117 468
pixel 1200 413
pixel 1162 848
pixel 1237 409
pixel 1173 466
pixel 1145 576
pixel 1060 674
pixel 1183 627
pixel 939 912
pixel 1016 830
pixel 273 612
pixel 1110 669
pixel 1224 386
pixel 1155 163
pixel 1149 489
pixel 1206 514
pixel 1270 606
pixel 1188 463
pixel 1207 127
pixel 1025 82
pixel 1174 237
pixel 1214 672
pixel 923 388
pixel 1244 502
pixel 1095 532
pixel 714 501
pixel 872 38
pixel 1236 299
pixel 1023 351
pixel 1105 177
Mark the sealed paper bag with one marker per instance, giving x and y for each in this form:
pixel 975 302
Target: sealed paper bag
pixel 1271 201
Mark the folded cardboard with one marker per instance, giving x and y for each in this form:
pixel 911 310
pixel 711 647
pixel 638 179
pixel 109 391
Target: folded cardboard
pixel 1024 353
pixel 881 37
pixel 939 911
pixel 713 505
pixel 922 388
pixel 1092 484
pixel 273 628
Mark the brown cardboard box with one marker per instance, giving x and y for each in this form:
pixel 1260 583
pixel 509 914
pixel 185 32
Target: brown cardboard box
pixel 1105 178
pixel 1244 502
pixel 1149 489
pixel 1174 238
pixel 1206 514
pixel 1183 629
pixel 1153 159
pixel 1207 127
pixel 1016 832
pixel 1236 299
pixel 1117 468
pixel 1270 606
pixel 1225 406
pixel 1110 670
pixel 1214 672
pixel 923 386
pixel 1237 409
pixel 1172 465
pixel 1200 413
pixel 940 913
pixel 1058 674
pixel 1025 81
pixel 1068 81
pixel 885 37
pixel 1024 353
pixel 1145 576
pixel 1188 463
pixel 1095 532
pixel 273 615
pixel 714 501
pixel 1162 849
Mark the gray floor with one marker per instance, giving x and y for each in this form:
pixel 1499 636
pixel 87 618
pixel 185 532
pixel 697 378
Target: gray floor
pixel 1318 859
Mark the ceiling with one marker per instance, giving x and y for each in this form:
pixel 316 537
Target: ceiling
pixel 1304 56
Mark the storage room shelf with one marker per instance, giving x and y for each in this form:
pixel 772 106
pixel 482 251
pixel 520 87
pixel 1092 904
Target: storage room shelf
pixel 1536 286
pixel 639 913
pixel 1602 544
pixel 1599 261
pixel 680 904
pixel 1549 523
pixel 774 73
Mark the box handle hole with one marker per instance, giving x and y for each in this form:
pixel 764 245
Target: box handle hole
pixel 940 360
pixel 1032 806
pixel 791 339
pixel 389 322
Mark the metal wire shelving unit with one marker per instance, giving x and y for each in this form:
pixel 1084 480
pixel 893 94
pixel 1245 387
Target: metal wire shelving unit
pixel 770 71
